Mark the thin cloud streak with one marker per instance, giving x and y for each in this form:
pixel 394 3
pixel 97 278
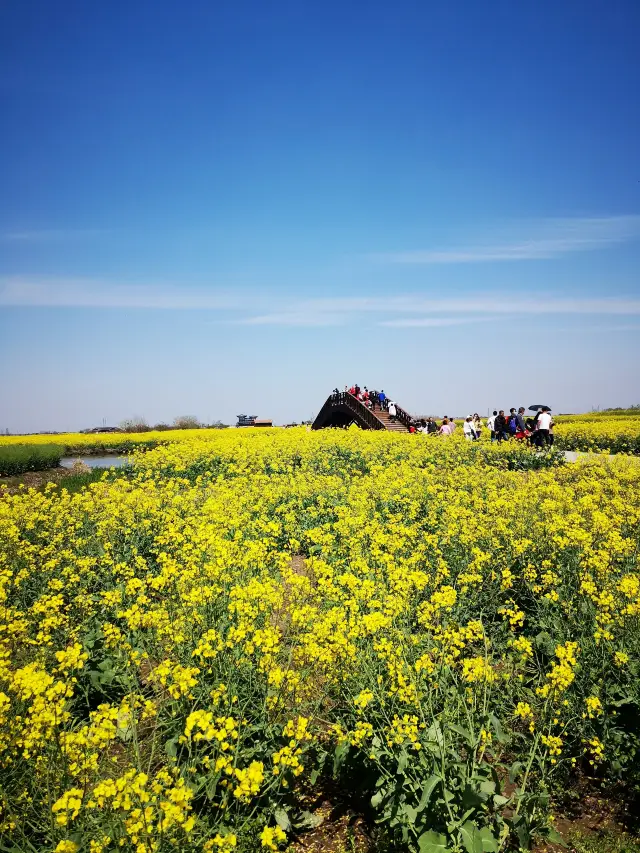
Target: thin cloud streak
pixel 488 304
pixel 93 294
pixel 51 235
pixel 552 238
pixel 408 322
pixel 257 308
pixel 296 318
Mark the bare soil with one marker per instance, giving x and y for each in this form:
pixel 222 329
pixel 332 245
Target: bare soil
pixel 37 479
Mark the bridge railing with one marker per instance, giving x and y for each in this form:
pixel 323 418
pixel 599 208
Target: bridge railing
pixel 343 398
pixel 404 417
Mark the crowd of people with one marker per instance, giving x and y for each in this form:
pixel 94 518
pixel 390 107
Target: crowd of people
pixel 536 430
pixel 372 399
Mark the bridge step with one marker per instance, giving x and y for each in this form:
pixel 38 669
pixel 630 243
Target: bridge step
pixel 392 426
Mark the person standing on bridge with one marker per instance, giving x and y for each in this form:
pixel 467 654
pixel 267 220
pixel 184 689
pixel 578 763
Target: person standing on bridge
pixel 391 408
pixel 382 399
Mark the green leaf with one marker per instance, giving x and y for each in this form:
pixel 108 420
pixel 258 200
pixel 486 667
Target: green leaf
pixel 342 750
pixel 514 771
pixel 470 837
pixel 466 734
pixel 499 732
pixel 410 812
pixel 545 642
pixel 377 798
pixel 427 791
pixel 518 824
pixel 554 837
pixel 432 842
pixel 308 820
pixel 403 760
pixel 487 787
pixel 434 734
pixel 435 739
pixel 170 747
pixel 282 819
pixel 499 801
pixel 490 843
pixel 472 798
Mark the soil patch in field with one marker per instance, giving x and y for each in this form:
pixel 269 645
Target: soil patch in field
pixel 39 479
pixel 33 479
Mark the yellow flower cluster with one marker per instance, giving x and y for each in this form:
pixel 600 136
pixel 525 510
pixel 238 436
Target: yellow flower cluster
pixel 208 628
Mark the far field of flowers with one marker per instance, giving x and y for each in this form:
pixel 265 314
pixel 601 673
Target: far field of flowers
pixel 594 432
pixel 192 653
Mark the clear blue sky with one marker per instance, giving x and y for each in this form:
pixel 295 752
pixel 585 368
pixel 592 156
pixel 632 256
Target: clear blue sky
pixel 211 208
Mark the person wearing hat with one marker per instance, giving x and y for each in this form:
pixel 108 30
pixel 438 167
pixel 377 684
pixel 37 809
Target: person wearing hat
pixel 467 428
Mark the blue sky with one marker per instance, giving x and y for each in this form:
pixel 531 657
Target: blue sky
pixel 213 208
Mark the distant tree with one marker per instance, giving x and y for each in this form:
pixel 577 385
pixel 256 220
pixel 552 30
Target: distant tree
pixel 162 427
pixel 187 422
pixel 135 424
pixel 620 410
pixel 218 425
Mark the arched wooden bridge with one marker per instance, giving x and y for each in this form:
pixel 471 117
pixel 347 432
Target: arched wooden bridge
pixel 343 409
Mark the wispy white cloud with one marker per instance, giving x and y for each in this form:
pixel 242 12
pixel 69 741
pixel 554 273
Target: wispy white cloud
pixel 296 318
pixel 536 241
pixel 494 303
pixel 90 293
pixel 433 321
pixel 51 235
pixel 258 308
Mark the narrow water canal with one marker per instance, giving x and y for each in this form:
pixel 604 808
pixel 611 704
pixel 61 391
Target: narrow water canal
pixel 95 461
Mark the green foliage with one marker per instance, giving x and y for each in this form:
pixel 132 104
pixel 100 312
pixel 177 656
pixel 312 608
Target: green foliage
pixel 603 842
pixel 444 631
pixel 18 458
pixel 76 482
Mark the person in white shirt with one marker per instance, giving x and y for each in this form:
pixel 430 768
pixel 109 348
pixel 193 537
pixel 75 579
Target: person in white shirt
pixel 392 410
pixel 543 426
pixel 467 428
pixel 491 425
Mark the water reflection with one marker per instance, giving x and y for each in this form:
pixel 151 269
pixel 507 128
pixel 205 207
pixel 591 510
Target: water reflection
pixel 95 461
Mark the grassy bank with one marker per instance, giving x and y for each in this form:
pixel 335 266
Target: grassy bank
pixel 18 458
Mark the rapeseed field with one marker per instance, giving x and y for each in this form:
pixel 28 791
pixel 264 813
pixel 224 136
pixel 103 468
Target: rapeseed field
pixel 595 432
pixel 190 653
